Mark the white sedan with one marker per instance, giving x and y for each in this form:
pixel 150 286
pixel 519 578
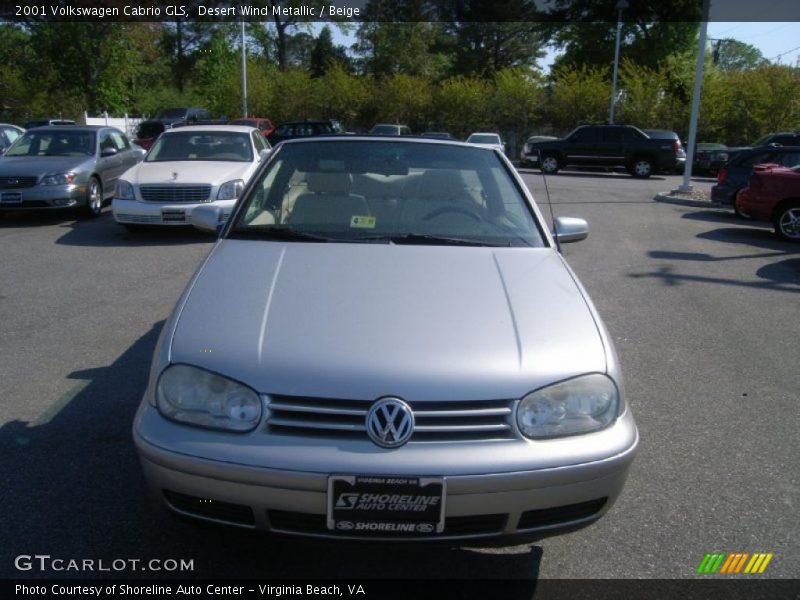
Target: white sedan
pixel 488 140
pixel 189 167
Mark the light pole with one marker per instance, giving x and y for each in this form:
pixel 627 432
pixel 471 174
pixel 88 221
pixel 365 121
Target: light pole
pixel 686 186
pixel 244 74
pixel 621 5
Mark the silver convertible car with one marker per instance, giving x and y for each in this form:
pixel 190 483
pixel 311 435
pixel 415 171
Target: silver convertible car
pixel 385 343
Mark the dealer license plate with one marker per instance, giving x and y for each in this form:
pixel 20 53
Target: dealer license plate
pixel 386 505
pixel 173 216
pixel 11 198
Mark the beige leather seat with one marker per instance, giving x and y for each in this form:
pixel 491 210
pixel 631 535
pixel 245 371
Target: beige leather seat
pixel 329 201
pixel 436 189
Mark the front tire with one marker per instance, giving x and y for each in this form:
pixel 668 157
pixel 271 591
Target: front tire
pixel 787 221
pixel 642 168
pixel 94 199
pixel 550 164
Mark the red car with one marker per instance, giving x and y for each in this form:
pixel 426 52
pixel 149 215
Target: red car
pixel 264 125
pixel 773 194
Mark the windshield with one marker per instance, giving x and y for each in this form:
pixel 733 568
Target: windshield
pixel 171 113
pixel 202 146
pixel 388 192
pixel 484 138
pixel 386 129
pixel 54 143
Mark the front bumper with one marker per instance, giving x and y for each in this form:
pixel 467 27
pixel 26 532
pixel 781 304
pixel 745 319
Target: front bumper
pixel 137 212
pixel 489 506
pixel 43 197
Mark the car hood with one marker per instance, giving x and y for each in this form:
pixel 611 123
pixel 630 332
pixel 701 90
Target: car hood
pixel 213 172
pixel 34 166
pixel 361 321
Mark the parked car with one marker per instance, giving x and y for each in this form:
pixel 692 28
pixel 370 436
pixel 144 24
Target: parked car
pixel 147 131
pixel 390 129
pixel 734 175
pixel 438 135
pixel 264 125
pixel 488 140
pixel 8 135
pixel 527 156
pixel 773 195
pixel 783 138
pixel 188 167
pixel 709 158
pixel 434 373
pixel 57 167
pixel 301 129
pixel 49 121
pixel 666 134
pixel 609 146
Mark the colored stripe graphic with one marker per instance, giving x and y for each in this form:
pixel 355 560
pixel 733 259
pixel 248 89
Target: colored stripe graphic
pixel 732 563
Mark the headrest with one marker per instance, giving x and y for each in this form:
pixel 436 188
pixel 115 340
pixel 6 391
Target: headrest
pixel 440 183
pixel 329 183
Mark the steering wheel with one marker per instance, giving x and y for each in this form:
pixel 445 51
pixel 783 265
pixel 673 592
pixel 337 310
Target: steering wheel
pixel 452 209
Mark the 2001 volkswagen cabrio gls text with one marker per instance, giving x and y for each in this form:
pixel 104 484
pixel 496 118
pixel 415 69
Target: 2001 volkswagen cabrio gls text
pixel 386 343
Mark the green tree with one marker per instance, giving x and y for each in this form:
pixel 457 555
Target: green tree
pixel 733 55
pixel 579 95
pixel 325 53
pixel 215 68
pixel 462 105
pixel 340 95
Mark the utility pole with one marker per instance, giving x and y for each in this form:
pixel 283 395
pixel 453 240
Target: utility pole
pixel 621 5
pixel 244 74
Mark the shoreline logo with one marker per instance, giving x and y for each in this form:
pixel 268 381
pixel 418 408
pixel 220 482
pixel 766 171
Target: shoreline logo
pixel 734 563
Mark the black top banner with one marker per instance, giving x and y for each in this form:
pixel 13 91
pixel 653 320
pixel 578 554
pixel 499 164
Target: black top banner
pixel 398 10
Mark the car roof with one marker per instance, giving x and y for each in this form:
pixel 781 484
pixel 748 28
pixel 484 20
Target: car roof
pixel 378 139
pixel 74 128
pixel 212 128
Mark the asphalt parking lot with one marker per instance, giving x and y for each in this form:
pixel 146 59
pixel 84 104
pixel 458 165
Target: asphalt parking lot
pixel 703 309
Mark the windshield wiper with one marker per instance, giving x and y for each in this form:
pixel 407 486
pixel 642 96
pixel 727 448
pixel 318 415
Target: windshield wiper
pixel 280 233
pixel 438 240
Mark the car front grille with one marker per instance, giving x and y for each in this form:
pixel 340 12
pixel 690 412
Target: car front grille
pixel 308 523
pixel 128 218
pixel 175 193
pixel 15 183
pixel 434 421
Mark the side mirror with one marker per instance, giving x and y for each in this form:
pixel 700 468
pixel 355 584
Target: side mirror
pixel 570 229
pixel 106 152
pixel 207 218
pixel 264 155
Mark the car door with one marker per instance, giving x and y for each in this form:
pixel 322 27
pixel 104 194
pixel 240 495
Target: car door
pixel 109 161
pixel 610 150
pixel 126 152
pixel 581 147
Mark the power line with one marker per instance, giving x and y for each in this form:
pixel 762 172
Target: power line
pixel 784 53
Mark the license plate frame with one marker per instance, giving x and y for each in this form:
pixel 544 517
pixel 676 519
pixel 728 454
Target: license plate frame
pixel 11 198
pixel 412 506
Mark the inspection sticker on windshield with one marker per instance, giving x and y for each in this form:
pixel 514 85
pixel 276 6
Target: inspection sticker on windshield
pixel 386 505
pixel 362 222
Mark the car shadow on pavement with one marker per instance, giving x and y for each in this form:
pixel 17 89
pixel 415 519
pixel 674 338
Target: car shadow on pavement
pixel 28 219
pixel 105 232
pixel 72 488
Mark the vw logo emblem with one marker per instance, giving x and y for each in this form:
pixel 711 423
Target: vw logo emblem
pixel 390 422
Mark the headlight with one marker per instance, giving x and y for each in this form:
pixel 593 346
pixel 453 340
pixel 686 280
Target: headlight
pixel 230 190
pixel 199 397
pixel 580 405
pixel 124 190
pixel 59 179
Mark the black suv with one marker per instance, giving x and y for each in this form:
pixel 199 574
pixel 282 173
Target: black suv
pixel 609 146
